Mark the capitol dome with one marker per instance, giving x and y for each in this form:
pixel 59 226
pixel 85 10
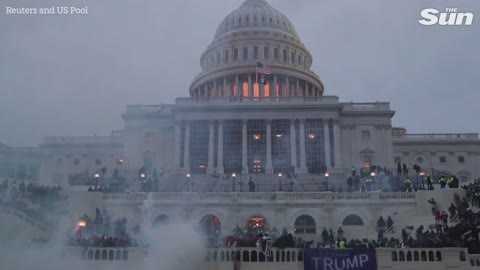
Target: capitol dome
pixel 256 32
pixel 256 13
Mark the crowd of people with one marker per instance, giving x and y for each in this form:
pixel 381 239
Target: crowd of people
pixel 40 202
pixel 101 232
pixel 377 178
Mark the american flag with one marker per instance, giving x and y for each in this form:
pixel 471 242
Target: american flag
pixel 263 69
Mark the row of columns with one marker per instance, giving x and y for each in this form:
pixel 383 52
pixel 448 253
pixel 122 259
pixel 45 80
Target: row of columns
pixel 209 89
pixel 302 168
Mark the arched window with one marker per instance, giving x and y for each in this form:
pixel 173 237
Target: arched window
pixel 235 54
pixel 245 53
pixel 104 255
pixel 299 60
pixel 293 58
pixel 257 222
pixel 226 56
pixel 218 59
pixel 111 255
pixel 275 53
pixel 255 52
pixel 305 224
pixel 210 225
pixel 265 53
pixel 352 220
pixel 284 55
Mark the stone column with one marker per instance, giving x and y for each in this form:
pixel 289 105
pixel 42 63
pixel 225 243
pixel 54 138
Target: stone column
pixel 326 136
pixel 244 147
pixel 336 145
pixel 214 88
pixel 293 144
pixel 211 141
pixel 297 88
pixel 268 165
pixel 237 83
pixel 224 89
pixel 186 150
pixel 178 140
pixel 273 90
pixel 303 157
pixel 287 87
pixel 250 86
pixel 220 147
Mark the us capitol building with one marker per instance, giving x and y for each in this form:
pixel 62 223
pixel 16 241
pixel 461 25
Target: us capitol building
pixel 231 127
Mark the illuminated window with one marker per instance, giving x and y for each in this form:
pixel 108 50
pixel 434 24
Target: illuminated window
pixel 210 225
pixel 280 145
pixel 315 148
pixel 199 146
pixel 257 223
pixel 256 151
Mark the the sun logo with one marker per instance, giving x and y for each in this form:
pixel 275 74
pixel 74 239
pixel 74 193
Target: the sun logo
pixel 451 16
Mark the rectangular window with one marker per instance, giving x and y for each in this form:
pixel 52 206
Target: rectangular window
pixel 365 135
pixel 443 159
pixel 461 159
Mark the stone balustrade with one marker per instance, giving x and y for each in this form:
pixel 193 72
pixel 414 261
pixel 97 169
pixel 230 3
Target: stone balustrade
pixel 265 197
pixel 290 258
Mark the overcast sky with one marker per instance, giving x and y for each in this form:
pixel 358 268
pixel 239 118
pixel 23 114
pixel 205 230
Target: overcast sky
pixel 73 75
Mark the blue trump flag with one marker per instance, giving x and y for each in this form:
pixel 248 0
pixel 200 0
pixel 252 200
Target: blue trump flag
pixel 339 259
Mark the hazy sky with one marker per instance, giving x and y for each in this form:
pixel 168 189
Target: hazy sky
pixel 73 74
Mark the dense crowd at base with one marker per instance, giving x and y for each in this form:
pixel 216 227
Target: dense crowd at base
pixel 463 231
pixel 101 232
